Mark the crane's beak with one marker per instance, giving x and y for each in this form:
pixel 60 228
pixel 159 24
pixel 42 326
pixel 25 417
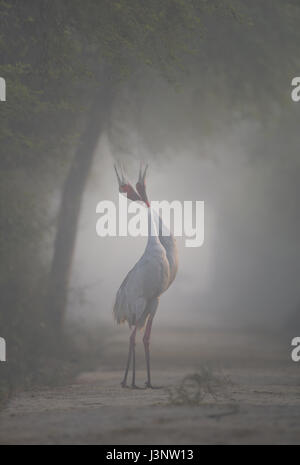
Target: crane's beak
pixel 143 172
pixel 118 176
pixel 141 184
pixel 124 185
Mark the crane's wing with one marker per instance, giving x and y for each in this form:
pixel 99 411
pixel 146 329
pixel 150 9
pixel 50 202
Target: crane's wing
pixel 147 280
pixel 130 303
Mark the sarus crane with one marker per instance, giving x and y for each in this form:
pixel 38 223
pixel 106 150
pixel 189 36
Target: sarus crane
pixel 138 296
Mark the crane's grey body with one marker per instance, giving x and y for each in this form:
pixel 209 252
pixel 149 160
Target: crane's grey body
pixel 137 297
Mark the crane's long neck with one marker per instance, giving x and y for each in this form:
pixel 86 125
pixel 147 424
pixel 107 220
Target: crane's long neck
pixel 161 234
pixel 152 228
pixel 168 241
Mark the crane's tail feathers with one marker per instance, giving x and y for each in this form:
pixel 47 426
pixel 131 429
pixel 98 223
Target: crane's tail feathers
pixel 134 315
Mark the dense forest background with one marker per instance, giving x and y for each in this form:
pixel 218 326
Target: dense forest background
pixel 68 65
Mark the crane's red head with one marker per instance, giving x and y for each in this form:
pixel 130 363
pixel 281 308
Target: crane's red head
pixel 141 185
pixel 124 185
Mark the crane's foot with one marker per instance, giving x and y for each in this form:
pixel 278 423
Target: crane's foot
pixel 150 386
pixel 124 385
pixel 134 386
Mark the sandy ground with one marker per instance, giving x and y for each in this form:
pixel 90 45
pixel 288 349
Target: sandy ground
pixel 258 398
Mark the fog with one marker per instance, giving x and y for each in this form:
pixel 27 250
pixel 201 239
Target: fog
pixel 201 91
pixel 246 273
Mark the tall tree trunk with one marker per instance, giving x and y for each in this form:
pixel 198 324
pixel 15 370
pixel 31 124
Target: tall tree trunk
pixel 70 208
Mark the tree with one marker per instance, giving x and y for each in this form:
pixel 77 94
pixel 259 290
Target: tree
pixel 121 37
pixel 125 35
pixel 70 207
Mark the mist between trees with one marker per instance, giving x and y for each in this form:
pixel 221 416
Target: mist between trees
pixel 206 83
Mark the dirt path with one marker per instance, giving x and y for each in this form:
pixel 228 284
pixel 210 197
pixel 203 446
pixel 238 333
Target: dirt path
pixel 264 408
pixel 261 405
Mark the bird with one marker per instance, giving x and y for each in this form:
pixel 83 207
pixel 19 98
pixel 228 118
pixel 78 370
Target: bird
pixel 138 296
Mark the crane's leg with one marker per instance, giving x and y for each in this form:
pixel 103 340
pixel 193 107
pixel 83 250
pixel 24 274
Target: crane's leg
pixel 131 343
pixel 132 337
pixel 146 341
pixel 131 354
